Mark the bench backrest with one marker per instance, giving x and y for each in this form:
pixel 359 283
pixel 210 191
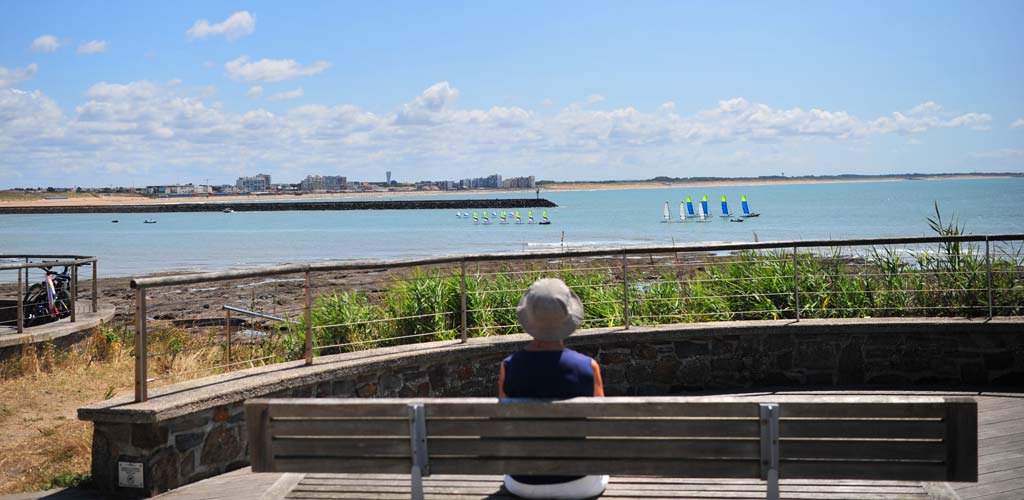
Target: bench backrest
pixel 859 437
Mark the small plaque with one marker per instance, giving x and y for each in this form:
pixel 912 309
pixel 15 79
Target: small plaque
pixel 129 474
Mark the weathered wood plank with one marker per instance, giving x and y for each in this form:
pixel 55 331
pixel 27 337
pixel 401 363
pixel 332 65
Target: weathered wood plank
pixel 259 437
pixel 361 465
pixel 906 429
pixel 828 449
pixel 283 447
pixel 340 427
pixel 640 427
pixel 585 448
pixel 550 410
pixel 668 468
pixel 863 410
pixel 1015 484
pixel 862 470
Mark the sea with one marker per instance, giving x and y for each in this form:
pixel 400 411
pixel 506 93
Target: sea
pixel 591 218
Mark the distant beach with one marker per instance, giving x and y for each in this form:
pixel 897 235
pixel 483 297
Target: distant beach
pixel 127 199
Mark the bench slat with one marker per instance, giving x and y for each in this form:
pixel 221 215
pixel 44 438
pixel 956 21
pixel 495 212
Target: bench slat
pixel 340 447
pixel 595 409
pixel 609 465
pixel 585 448
pixel 593 427
pixel 905 471
pixel 911 429
pixel 862 450
pixel 310 409
pixel 340 427
pixel 329 465
pixel 863 410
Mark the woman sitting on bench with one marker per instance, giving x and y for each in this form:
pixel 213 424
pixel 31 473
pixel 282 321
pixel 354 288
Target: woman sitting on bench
pixel 550 312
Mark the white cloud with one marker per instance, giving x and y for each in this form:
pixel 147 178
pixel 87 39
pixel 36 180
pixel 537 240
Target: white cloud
pixel 93 47
pixel 236 26
pixel 45 43
pixel 270 70
pixel 594 98
pixel 1017 123
pixel 124 127
pixel 287 96
pixel 12 77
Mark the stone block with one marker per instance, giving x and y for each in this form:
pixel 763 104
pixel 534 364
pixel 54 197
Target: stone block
pixel 613 356
pixel 149 436
pixel 343 388
pixel 187 467
pixel 161 471
pixel 465 372
pixel 644 352
pixel 221 414
pixel 191 422
pixel 1001 360
pixel 851 365
pixel 187 440
pixel 665 371
pixel 815 355
pixel 220 447
pixel 438 376
pixel 367 390
pixel 973 374
pixel 323 390
pixel 690 349
pixel 390 384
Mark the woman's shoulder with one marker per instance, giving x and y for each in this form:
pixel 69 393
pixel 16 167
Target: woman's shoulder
pixel 576 356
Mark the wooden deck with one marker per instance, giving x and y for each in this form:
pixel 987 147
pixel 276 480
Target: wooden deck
pixel 1000 469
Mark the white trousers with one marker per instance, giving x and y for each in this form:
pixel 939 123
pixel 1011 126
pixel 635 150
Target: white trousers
pixel 584 487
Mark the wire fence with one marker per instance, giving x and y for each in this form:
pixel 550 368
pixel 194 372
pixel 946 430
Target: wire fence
pixel 35 292
pixel 216 322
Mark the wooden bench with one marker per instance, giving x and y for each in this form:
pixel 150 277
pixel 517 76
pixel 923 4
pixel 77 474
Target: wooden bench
pixel 794 437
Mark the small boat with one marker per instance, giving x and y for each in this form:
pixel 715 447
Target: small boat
pixel 544 218
pixel 519 217
pixel 746 208
pixel 476 218
pixel 700 214
pixel 725 208
pixel 689 207
pixel 149 221
pixel 665 214
pixel 504 217
pixel 704 205
pixel 115 221
pixel 228 210
pixel 735 219
pixel 529 217
pixel 682 212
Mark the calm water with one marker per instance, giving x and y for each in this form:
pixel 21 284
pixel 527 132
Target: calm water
pixel 211 241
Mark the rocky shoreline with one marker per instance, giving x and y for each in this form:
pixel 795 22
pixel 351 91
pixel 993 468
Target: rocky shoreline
pixel 471 204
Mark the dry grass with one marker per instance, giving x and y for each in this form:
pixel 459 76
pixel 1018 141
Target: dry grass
pixel 42 439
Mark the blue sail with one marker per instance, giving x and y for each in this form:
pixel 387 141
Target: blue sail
pixel 725 206
pixel 743 202
pixel 689 207
pixel 704 205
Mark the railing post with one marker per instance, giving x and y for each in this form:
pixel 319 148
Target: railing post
pixel 462 307
pixel 988 271
pixel 625 291
pixel 74 292
pixel 309 319
pixel 21 305
pixel 95 299
pixel 796 285
pixel 769 418
pixel 227 331
pixel 141 393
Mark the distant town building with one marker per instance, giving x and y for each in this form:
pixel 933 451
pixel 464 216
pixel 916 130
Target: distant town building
pixel 388 175
pixel 254 184
pixel 323 183
pixel 491 181
pixel 519 183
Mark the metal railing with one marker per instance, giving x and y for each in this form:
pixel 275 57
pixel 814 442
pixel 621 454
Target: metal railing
pixel 379 303
pixel 41 262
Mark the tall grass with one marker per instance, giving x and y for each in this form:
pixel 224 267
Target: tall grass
pixel 950 279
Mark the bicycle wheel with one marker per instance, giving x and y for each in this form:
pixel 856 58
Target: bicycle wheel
pixel 63 300
pixel 36 306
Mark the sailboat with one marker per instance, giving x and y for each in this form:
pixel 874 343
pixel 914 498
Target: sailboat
pixel 704 205
pixel 487 218
pixel 504 218
pixel 476 218
pixel 544 217
pixel 746 209
pixel 519 217
pixel 665 214
pixel 689 207
pixel 725 208
pixel 529 217
pixel 682 212
pixel 700 213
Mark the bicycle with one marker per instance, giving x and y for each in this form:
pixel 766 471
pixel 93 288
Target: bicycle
pixel 48 300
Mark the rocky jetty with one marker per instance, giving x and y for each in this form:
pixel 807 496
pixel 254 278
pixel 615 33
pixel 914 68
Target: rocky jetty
pixel 286 206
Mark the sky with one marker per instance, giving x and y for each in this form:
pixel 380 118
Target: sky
pixel 113 93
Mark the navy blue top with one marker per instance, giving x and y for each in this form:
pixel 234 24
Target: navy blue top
pixel 549 375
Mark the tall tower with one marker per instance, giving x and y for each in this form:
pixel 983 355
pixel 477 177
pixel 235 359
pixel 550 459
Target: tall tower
pixel 389 176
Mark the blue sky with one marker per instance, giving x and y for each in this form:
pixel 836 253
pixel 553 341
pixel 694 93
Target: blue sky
pixel 128 93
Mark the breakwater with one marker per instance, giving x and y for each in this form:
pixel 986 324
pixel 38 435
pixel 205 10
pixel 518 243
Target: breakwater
pixel 286 206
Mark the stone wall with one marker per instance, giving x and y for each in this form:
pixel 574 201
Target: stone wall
pixel 196 430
